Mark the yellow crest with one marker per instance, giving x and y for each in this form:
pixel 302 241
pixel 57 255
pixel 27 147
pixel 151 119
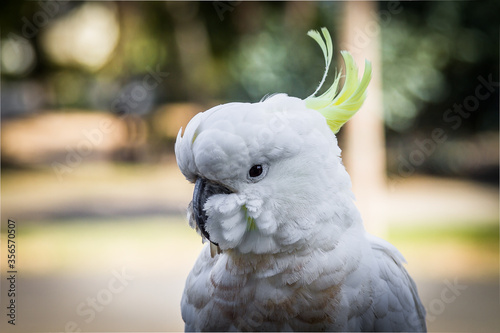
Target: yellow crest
pixel 338 107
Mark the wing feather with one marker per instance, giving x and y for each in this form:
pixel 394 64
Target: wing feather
pixel 402 304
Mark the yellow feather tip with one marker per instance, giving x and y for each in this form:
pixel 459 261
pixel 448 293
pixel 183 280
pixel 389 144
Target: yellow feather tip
pixel 250 220
pixel 338 107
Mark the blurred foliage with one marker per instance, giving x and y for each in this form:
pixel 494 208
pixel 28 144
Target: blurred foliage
pixel 486 235
pixel 131 57
pixel 440 251
pixel 432 53
pixel 90 246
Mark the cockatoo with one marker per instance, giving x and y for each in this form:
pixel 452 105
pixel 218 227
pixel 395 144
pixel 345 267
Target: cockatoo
pixel 287 250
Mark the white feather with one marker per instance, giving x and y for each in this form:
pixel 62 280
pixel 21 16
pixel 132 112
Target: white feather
pixel 306 263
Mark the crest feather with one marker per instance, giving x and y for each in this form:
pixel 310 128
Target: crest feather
pixel 338 107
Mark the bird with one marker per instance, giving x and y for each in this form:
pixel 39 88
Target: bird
pixel 285 246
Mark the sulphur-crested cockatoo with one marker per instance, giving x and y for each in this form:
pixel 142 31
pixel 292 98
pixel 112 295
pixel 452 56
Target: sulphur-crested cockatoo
pixel 286 249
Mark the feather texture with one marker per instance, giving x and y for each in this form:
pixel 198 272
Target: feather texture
pixel 292 252
pixel 338 107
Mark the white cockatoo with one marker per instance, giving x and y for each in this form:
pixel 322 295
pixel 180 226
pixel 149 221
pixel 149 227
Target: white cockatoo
pixel 287 250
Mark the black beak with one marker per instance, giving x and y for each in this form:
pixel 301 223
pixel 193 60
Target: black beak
pixel 204 189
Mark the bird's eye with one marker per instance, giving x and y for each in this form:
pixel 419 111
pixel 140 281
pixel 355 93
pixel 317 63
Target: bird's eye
pixel 255 171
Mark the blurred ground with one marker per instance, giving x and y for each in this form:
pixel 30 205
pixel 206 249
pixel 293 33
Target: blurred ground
pixel 108 220
pixel 64 265
pixel 96 190
pixel 104 189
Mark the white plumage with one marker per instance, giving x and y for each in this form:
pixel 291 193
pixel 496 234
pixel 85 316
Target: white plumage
pixel 287 250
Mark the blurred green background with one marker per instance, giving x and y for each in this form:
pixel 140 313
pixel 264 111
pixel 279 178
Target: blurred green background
pixel 94 93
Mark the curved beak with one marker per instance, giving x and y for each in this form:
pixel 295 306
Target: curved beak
pixel 204 189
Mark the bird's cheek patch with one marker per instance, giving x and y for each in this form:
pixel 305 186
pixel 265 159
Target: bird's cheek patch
pixel 226 220
pixel 254 206
pixel 266 223
pixel 228 204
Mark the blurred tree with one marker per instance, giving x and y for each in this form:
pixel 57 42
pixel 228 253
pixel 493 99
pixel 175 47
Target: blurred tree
pixel 364 153
pixel 433 53
pixel 432 56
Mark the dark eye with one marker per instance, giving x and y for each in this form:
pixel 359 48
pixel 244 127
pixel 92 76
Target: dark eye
pixel 255 171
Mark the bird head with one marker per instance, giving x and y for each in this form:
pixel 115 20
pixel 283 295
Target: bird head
pixel 268 176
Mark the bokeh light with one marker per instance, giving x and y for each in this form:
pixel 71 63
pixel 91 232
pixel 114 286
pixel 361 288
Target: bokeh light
pixel 17 55
pixel 85 37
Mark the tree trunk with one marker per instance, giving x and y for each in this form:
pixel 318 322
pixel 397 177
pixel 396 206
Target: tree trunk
pixel 364 153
